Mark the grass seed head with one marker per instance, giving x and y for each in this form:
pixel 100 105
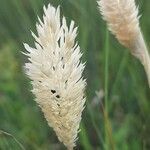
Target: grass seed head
pixel 122 19
pixel 56 73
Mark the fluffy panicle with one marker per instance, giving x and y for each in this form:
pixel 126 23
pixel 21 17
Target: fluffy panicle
pixel 123 21
pixel 56 73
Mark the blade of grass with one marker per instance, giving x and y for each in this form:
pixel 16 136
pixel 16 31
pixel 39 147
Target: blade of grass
pixel 95 125
pixel 120 72
pixel 10 135
pixel 18 5
pixel 84 138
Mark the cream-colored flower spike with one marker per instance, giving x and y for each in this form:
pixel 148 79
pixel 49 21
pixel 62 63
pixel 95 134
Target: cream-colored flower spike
pixel 56 73
pixel 123 21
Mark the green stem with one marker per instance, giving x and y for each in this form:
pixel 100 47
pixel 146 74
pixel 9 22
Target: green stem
pixel 106 69
pixel 106 84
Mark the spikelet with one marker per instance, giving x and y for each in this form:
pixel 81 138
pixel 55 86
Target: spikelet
pixel 123 21
pixel 56 73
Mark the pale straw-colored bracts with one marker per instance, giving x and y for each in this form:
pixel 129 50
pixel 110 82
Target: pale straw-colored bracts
pixel 123 21
pixel 56 73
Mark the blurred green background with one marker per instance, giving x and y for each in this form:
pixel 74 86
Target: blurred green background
pixel 128 92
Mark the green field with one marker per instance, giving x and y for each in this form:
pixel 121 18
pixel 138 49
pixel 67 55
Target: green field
pixel 109 67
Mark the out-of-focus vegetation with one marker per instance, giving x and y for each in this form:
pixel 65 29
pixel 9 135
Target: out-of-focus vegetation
pixel 128 92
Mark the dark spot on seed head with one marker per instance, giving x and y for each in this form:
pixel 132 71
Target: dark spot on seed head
pixel 53 91
pixel 57 96
pixel 62 58
pixel 53 68
pixel 40 81
pixel 63 66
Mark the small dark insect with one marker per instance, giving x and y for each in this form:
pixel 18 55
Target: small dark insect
pixel 57 96
pixel 53 91
pixel 53 68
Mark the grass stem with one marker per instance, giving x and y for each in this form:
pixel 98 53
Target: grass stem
pixel 106 83
pixel 106 69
